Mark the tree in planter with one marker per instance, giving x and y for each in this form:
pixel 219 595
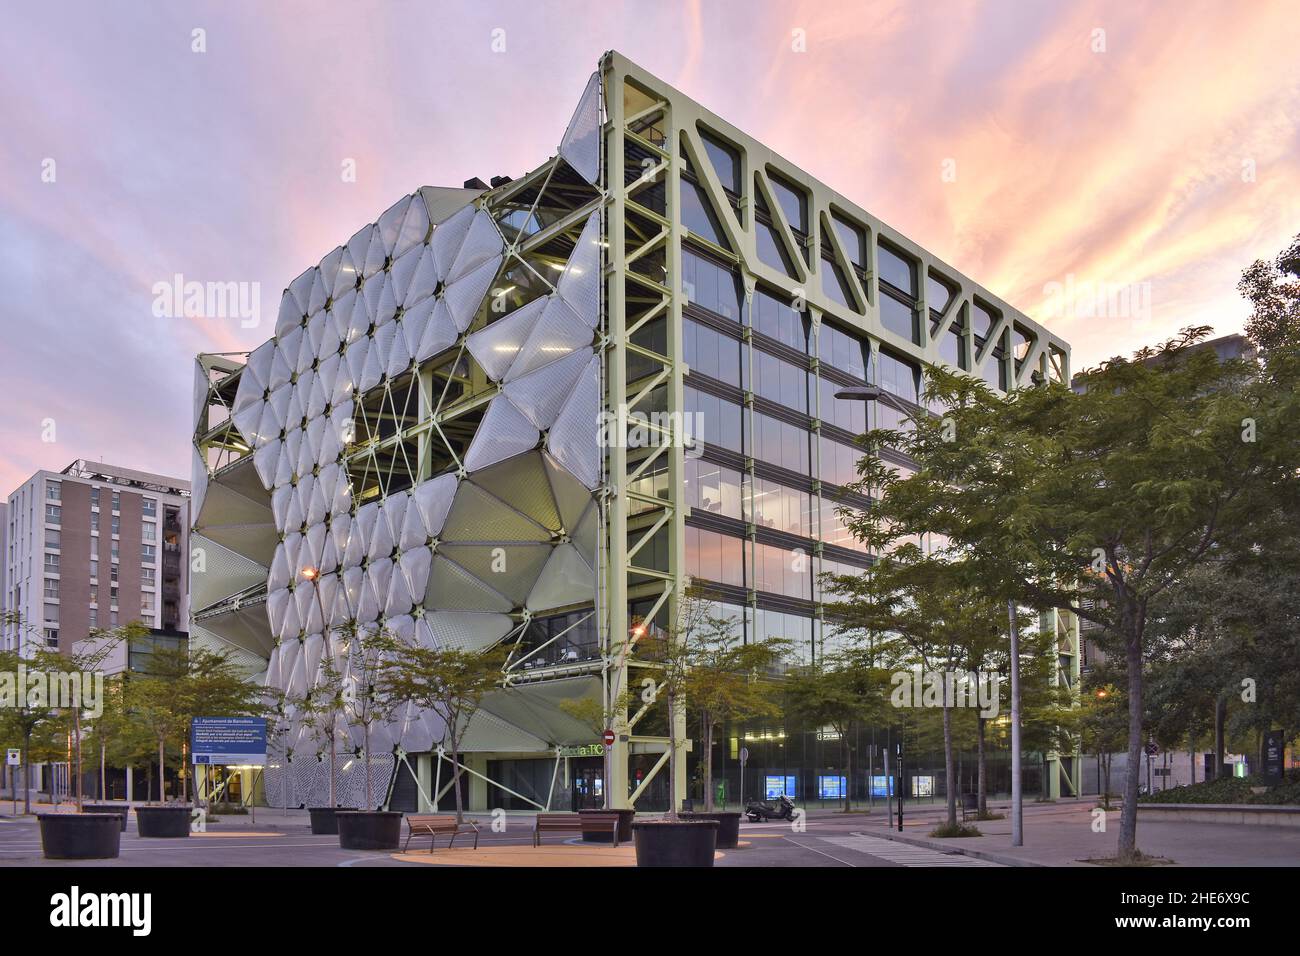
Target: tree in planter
pixel 1097 501
pixel 448 681
pixel 213 687
pixel 320 710
pixel 718 675
pixel 27 722
pixel 365 701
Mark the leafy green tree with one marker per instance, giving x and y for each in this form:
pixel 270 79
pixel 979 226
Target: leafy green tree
pixel 841 689
pixel 1110 493
pixel 448 681
pixel 1103 726
pixel 938 623
pixel 320 709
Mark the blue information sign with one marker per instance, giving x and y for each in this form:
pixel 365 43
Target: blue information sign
pixel 228 740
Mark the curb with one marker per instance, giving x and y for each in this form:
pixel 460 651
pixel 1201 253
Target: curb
pixel 962 851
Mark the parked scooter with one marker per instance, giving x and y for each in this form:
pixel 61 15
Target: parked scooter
pixel 759 811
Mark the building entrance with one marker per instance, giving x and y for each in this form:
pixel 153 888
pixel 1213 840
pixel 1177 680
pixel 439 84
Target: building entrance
pixel 588 776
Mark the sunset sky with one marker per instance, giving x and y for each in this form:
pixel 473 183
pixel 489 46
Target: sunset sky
pixel 1155 146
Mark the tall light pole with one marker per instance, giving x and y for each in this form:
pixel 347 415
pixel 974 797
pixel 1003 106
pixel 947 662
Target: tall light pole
pixel 1017 797
pixel 312 575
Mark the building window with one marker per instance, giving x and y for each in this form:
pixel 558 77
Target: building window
pixel 710 286
pixel 94 594
pixel 94 568
pixel 697 213
pixel 52 588
pixel 117 501
pixel 843 351
pixel 112 619
pixel 899 377
pixel 713 489
pixel 52 563
pixel 53 490
pixel 898 303
pixel 52 613
pixel 116 524
pixel 52 637
pixel 112 595
pixel 94 617
pixel 774 318
pixel 53 514
pixel 793 203
pixel 94 522
pixel 147 531
pixel 53 539
pixel 94 496
pixel 148 553
pixel 726 163
pixel 147 577
pixel 112 573
pixel 149 507
pixel 146 602
pixel 709 352
pixel 780 382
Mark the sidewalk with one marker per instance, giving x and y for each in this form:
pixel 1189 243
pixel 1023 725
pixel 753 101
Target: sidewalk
pixel 1061 834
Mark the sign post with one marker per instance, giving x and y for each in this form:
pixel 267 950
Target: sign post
pixel 14 759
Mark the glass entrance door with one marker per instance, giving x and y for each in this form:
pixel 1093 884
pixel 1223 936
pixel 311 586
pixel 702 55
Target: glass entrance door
pixel 588 785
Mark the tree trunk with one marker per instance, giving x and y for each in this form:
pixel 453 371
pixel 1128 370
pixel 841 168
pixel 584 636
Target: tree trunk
pixel 1191 755
pixel 455 778
pixel 365 730
pixel 27 775
pixel 1107 776
pixel 80 799
pixel 848 770
pixel 982 774
pixel 706 732
pixel 103 771
pixel 674 807
pixel 1128 814
pixel 333 744
pixel 947 759
pixel 1220 718
pixel 162 771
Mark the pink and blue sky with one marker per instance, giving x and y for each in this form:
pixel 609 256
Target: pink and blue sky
pixel 1162 153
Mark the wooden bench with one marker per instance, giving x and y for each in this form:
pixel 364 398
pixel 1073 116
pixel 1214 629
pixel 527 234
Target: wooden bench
pixel 422 824
pixel 575 823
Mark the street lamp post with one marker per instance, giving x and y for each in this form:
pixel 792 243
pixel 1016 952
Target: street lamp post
pixel 312 575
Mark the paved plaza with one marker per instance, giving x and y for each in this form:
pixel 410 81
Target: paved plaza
pixel 1055 835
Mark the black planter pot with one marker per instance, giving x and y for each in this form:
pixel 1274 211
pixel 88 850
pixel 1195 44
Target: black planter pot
pixel 369 829
pixel 80 836
pixel 322 819
pixel 675 843
pixel 170 822
pixel 728 825
pixel 121 809
pixel 624 827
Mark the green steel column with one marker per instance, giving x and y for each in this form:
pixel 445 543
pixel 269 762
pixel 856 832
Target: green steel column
pixel 676 456
pixel 614 619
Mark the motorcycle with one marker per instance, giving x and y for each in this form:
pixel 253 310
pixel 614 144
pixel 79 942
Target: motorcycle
pixel 759 811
